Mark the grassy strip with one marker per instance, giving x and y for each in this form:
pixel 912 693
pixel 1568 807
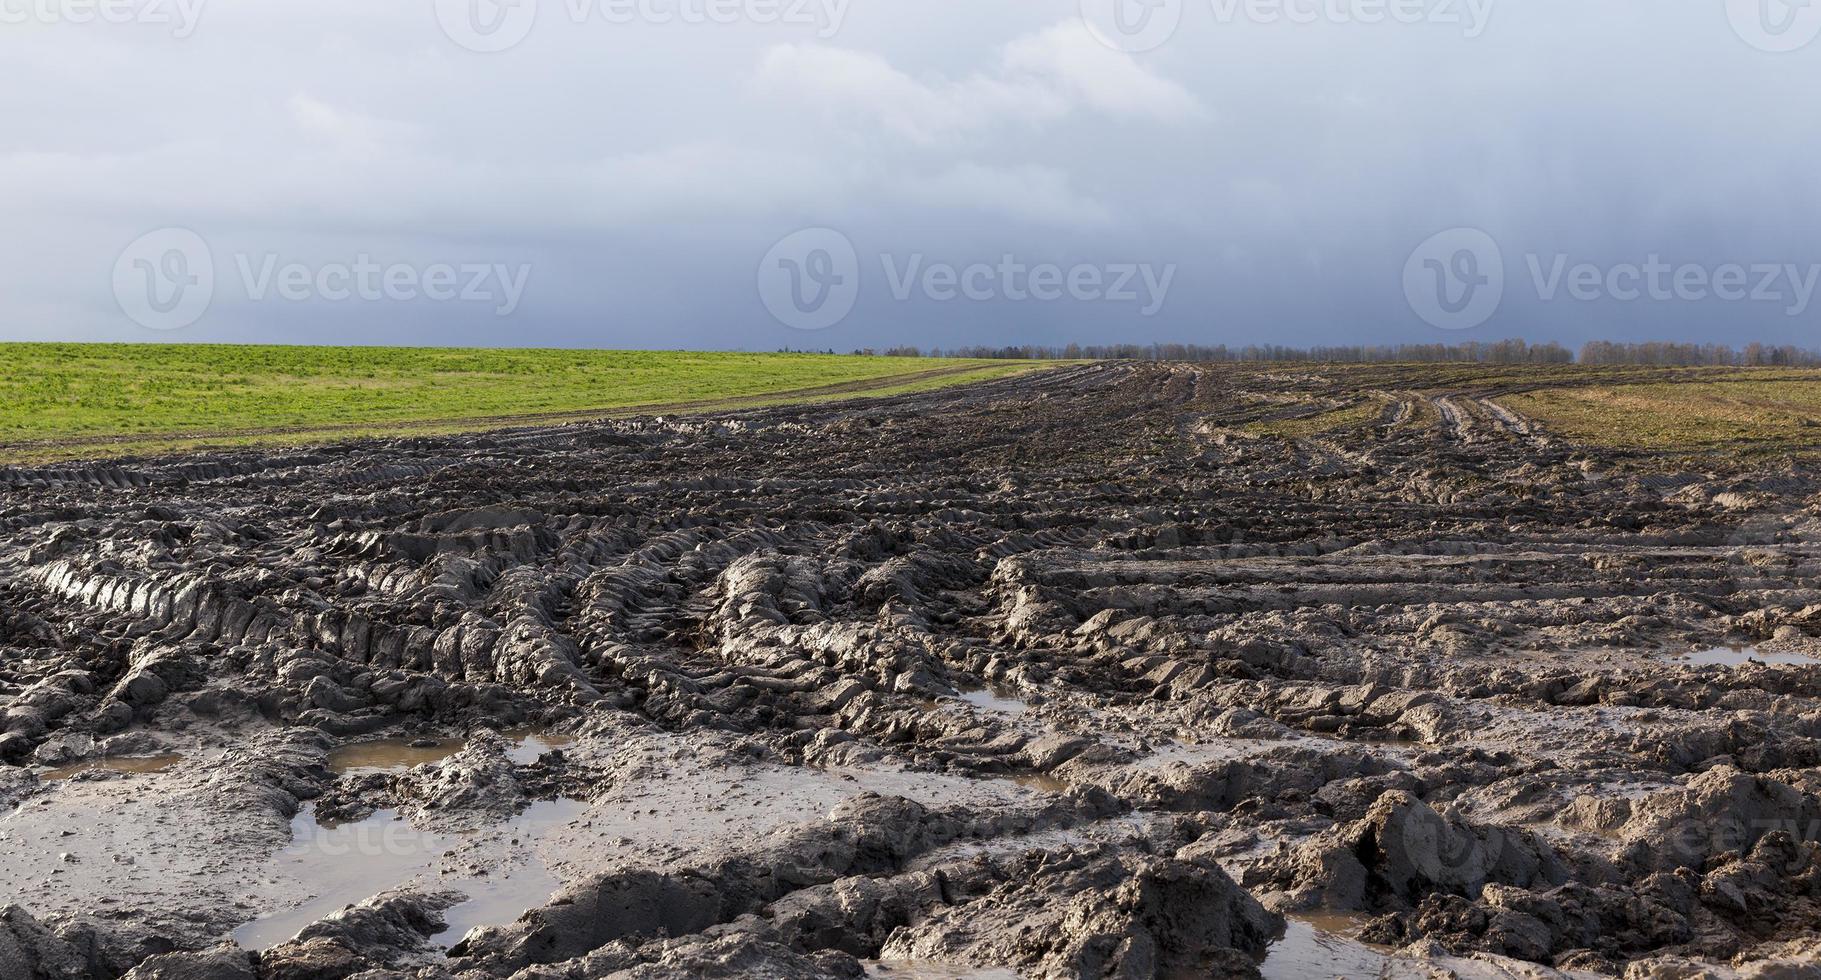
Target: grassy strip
pixel 61 401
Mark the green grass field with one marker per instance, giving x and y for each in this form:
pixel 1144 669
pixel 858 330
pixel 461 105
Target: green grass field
pixel 61 401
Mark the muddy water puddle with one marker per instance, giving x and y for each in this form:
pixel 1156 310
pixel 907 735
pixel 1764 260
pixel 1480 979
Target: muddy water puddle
pixel 511 890
pixel 128 765
pixel 1043 783
pixel 1315 947
pixel 1741 656
pixel 399 754
pixel 995 700
pixel 341 864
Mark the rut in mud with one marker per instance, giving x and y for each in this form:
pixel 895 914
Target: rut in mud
pixel 1065 675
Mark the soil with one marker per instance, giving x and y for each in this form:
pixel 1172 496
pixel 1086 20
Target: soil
pixel 1063 675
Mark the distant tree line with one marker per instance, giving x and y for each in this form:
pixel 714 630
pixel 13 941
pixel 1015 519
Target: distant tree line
pixel 1501 352
pixel 1515 351
pixel 1697 355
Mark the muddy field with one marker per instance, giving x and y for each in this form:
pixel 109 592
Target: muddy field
pixel 1066 675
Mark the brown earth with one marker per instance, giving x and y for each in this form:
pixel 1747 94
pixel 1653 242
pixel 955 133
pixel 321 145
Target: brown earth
pixel 1065 675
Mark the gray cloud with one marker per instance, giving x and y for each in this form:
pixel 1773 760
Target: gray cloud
pixel 642 170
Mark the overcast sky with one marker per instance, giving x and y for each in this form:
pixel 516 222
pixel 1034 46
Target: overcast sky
pixel 627 174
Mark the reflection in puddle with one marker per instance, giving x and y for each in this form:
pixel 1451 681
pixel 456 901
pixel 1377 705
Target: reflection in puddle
pixel 533 744
pixel 348 863
pixel 398 754
pixel 1042 783
pixel 990 699
pixel 500 897
pixel 511 888
pixel 341 865
pixel 152 763
pixel 390 755
pixel 1740 656
pixel 1316 946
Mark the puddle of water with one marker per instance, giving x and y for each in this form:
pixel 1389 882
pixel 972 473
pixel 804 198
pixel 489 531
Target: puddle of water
pixel 990 699
pixel 389 755
pixel 1042 783
pixel 341 865
pixel 1740 656
pixel 143 764
pixel 533 744
pixel 511 890
pixel 398 754
pixel 1316 947
pixel 348 863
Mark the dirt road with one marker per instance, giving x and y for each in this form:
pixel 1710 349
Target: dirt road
pixel 1065 675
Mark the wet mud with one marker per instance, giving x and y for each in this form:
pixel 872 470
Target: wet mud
pixel 1065 675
